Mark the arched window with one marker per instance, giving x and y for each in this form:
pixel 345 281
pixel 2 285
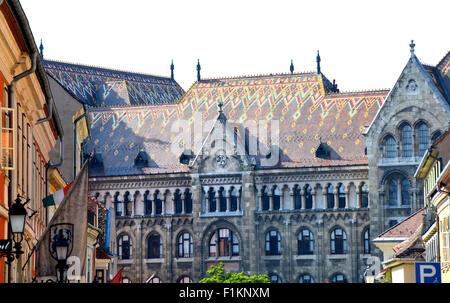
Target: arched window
pixel 339 278
pixel 406 196
pixel 274 278
pixel 127 203
pixel 265 199
pixel 423 138
pixel 338 241
pixel 222 200
pixel 393 192
pixel 308 197
pixel 407 148
pixel 184 279
pixel 187 201
pixel 330 196
pixel 390 147
pixel 305 278
pixel 124 247
pixel 273 243
pixel 158 203
pixel 223 243
pixel 212 199
pixel 154 246
pixel 342 196
pixel 297 198
pixel 185 245
pixel 364 193
pixel 155 280
pixel 233 199
pixel 305 242
pixel 117 205
pixel 276 198
pixel 147 203
pixel 366 240
pixel 178 201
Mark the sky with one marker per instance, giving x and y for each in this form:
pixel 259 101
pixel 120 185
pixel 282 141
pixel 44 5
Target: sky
pixel 364 45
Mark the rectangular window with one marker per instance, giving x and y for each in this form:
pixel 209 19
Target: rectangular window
pixel 445 240
pixel 6 139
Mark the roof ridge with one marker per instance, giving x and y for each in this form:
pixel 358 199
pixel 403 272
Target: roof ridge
pixel 256 76
pixel 359 91
pixel 110 69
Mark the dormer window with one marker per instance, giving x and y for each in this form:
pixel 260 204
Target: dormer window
pixel 141 159
pixel 96 161
pixel 186 156
pixel 323 152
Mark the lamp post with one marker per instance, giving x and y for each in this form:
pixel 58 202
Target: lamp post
pixel 61 247
pixel 17 218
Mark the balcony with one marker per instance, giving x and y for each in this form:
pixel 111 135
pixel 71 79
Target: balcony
pixel 399 161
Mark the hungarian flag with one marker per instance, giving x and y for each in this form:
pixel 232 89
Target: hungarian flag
pixel 117 278
pixel 57 197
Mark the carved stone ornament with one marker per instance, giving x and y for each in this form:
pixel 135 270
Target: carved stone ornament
pixel 412 86
pixel 221 159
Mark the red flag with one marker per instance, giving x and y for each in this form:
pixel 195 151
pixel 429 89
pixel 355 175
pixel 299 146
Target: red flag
pixel 117 278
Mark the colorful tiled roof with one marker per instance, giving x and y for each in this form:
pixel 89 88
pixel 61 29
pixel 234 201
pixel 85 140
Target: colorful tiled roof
pixel 96 86
pixel 307 115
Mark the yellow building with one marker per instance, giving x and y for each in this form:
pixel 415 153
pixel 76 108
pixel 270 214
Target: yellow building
pixel 29 129
pixel 435 170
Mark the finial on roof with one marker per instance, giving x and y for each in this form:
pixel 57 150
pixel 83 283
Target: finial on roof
pixel 220 106
pixel 221 117
pixel 41 50
pixel 171 70
pixel 291 68
pixel 412 45
pixel 198 70
pixel 318 62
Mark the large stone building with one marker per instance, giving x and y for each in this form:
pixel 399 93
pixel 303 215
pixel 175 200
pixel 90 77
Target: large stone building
pixel 276 174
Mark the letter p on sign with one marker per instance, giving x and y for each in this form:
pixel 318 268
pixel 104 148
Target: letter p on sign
pixel 428 272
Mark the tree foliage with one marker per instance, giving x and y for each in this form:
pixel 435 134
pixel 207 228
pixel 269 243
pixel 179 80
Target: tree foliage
pixel 217 274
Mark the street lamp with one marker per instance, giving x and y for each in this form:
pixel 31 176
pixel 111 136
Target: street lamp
pixel 17 218
pixel 61 247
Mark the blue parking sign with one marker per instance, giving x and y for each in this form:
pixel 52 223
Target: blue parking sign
pixel 428 272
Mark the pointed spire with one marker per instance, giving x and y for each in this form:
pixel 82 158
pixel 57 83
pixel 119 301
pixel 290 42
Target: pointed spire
pixel 198 70
pixel 221 117
pixel 41 50
pixel 412 45
pixel 318 62
pixel 172 67
pixel 291 68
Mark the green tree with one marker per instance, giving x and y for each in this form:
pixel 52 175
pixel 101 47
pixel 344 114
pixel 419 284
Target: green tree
pixel 218 275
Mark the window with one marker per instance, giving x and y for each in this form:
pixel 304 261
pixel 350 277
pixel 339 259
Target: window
pixel 274 278
pixel 124 247
pixel 390 147
pixel 435 136
pixel 184 279
pixel 338 242
pixel 265 199
pixel 222 200
pixel 233 199
pixel 305 242
pixel 367 241
pixel 223 243
pixel 158 203
pixel 445 238
pixel 178 202
pixel 330 196
pixel 308 197
pixel 276 199
pixel 273 243
pixel 117 205
pixel 154 247
pixel 406 196
pixel 393 192
pixel 342 195
pixel 7 133
pixel 187 202
pixel 212 199
pixel 185 246
pixel 406 133
pixel 339 278
pixel 364 193
pixel 305 278
pixel 148 203
pixel 297 198
pixel 127 204
pixel 423 138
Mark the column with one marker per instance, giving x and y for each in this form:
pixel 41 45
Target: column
pixel 228 197
pixel 217 200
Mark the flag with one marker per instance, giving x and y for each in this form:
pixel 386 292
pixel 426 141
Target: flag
pixel 57 197
pixel 72 210
pixel 117 278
